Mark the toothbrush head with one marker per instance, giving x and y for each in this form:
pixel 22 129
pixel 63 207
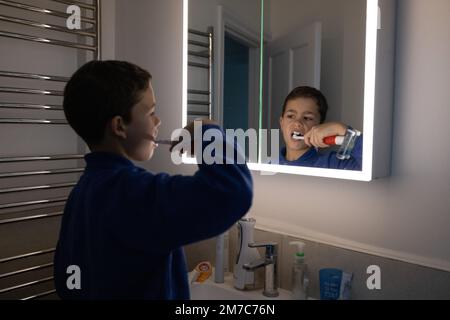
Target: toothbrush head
pixel 297 136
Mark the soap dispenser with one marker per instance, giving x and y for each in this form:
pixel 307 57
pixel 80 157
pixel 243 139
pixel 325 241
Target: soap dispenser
pixel 299 278
pixel 244 278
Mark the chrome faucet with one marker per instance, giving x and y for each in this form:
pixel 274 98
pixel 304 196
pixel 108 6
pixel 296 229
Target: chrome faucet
pixel 269 262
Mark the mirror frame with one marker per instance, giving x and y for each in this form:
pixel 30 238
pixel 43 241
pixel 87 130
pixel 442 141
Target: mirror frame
pixel 373 20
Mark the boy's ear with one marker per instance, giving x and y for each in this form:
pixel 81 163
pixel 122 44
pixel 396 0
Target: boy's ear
pixel 118 127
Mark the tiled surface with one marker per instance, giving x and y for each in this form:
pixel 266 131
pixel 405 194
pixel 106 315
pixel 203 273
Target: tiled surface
pixel 399 280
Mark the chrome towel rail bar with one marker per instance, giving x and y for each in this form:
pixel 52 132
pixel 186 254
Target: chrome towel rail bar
pixel 47 26
pixel 30 218
pixel 78 3
pixel 30 203
pixel 27 255
pixel 47 40
pixel 10 105
pixel 39 295
pixel 28 284
pixel 34 188
pixel 55 13
pixel 33 76
pixel 41 172
pixel 31 91
pixel 42 158
pixel 32 121
pixel 14 273
pixel 199 33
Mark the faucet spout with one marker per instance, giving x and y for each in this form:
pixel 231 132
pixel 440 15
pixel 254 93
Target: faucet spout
pixel 255 264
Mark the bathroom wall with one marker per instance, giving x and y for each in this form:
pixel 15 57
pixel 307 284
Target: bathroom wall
pixel 405 217
pixel 203 13
pixel 149 33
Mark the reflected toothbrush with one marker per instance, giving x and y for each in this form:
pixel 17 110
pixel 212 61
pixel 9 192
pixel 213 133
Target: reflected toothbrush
pixel 331 140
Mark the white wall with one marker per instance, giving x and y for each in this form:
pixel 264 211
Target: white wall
pixel 406 216
pixel 203 13
pixel 108 27
pixel 149 33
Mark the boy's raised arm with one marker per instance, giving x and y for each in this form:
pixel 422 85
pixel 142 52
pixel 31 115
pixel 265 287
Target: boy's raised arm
pixel 178 210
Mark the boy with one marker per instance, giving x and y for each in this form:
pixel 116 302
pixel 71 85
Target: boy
pixel 304 111
pixel 123 227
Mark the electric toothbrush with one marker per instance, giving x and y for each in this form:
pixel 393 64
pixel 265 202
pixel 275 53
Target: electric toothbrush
pixel 331 140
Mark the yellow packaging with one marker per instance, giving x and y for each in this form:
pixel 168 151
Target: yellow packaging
pixel 205 270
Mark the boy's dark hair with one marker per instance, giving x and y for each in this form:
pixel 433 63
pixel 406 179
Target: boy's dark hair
pixel 309 92
pixel 99 91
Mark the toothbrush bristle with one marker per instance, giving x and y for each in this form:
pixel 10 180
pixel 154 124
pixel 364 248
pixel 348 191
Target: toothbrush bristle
pixel 297 136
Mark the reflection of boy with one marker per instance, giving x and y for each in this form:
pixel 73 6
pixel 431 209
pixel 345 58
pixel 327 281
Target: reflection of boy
pixel 304 111
pixel 123 226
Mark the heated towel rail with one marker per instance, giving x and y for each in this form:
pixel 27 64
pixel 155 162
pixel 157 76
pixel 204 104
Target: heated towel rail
pixel 28 275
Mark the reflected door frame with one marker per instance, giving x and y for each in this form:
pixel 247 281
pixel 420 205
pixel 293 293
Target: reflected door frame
pixel 232 24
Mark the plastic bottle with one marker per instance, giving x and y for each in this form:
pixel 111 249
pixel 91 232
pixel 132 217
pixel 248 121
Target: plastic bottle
pixel 299 278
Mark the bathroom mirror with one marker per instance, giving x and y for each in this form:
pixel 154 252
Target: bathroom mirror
pixel 317 44
pixel 257 51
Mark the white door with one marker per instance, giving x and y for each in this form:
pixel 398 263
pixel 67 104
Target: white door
pixel 294 60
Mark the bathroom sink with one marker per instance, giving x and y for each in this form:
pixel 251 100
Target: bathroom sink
pixel 209 290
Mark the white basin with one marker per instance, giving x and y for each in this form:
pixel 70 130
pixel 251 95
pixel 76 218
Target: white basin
pixel 209 290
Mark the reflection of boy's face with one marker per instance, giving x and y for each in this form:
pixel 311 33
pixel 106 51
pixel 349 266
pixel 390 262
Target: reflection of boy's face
pixel 143 128
pixel 300 115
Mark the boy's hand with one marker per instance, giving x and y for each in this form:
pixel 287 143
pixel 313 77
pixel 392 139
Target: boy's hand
pixel 190 129
pixel 190 126
pixel 315 136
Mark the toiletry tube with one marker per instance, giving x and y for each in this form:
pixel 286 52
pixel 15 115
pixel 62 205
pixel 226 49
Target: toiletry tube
pixel 346 285
pixel 226 253
pixel 219 272
pixel 204 269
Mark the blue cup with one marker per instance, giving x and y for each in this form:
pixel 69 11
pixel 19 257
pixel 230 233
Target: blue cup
pixel 330 283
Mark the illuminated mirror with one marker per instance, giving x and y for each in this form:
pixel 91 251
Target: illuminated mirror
pixel 243 58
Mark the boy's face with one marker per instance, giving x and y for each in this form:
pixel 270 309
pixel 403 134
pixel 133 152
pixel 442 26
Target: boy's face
pixel 301 115
pixel 142 131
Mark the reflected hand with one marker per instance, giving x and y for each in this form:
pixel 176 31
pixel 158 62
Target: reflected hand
pixel 315 136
